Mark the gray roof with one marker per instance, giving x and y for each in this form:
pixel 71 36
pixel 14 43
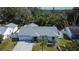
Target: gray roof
pixel 11 25
pixel 32 25
pixel 38 31
pixel 74 30
pixel 3 29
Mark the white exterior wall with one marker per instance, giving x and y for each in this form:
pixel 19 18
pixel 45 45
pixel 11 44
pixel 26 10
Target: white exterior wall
pixel 25 38
pixel 61 35
pixel 15 29
pixel 68 32
pixel 5 36
pixel 49 38
pixel 7 33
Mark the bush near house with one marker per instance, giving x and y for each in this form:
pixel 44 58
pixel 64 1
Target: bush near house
pixel 68 44
pixel 65 44
pixel 76 45
pixel 7 45
pixel 1 38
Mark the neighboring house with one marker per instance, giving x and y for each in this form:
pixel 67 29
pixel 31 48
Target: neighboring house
pixel 15 35
pixel 13 26
pixel 5 31
pixel 27 33
pixel 72 32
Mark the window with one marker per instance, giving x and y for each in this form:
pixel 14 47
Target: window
pixel 53 37
pixel 64 29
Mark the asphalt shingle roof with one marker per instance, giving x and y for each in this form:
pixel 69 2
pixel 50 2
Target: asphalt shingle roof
pixel 11 25
pixel 32 25
pixel 3 29
pixel 38 31
pixel 74 30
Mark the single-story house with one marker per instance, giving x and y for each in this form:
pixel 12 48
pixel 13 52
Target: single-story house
pixel 13 26
pixel 72 32
pixel 27 33
pixel 5 31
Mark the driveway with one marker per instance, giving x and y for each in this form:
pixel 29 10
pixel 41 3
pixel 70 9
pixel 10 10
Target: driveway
pixel 23 46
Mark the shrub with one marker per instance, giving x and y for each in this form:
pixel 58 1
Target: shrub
pixel 1 38
pixel 7 44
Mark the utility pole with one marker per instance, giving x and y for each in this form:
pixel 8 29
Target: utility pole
pixel 53 9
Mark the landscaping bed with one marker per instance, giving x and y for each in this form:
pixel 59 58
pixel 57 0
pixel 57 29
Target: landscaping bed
pixel 38 47
pixel 7 45
pixel 65 44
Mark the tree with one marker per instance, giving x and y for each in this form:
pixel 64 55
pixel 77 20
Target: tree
pixel 43 43
pixel 22 16
pixel 1 38
pixel 73 16
pixel 14 14
pixel 53 9
pixel 76 15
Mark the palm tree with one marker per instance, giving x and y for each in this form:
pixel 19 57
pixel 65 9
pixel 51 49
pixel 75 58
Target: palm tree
pixel 43 43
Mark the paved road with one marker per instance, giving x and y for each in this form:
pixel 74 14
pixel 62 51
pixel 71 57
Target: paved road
pixel 23 46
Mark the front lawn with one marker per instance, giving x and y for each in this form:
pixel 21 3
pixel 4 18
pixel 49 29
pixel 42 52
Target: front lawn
pixel 38 47
pixel 7 45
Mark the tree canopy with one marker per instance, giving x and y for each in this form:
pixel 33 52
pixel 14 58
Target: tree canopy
pixel 73 16
pixel 25 15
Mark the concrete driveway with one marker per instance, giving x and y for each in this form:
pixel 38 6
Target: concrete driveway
pixel 23 46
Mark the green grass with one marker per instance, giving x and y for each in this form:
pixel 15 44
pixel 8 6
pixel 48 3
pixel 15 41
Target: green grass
pixel 37 47
pixel 63 41
pixel 65 44
pixel 51 49
pixel 7 45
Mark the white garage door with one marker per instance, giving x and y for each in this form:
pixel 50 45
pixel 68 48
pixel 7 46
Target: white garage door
pixel 26 38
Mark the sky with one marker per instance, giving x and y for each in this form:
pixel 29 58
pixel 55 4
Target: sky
pixel 56 8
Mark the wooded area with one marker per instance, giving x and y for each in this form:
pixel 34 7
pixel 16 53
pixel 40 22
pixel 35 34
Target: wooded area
pixel 25 15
